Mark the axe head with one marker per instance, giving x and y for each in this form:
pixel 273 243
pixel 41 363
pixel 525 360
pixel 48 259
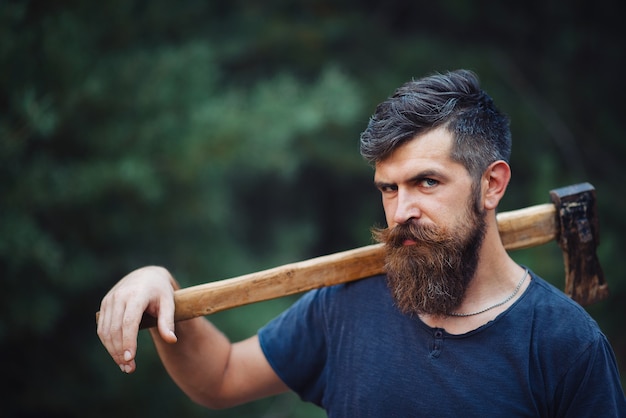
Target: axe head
pixel 578 237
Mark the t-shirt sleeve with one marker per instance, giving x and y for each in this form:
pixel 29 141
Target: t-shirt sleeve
pixel 591 388
pixel 294 344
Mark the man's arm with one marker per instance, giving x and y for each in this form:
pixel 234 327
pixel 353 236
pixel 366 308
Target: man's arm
pixel 592 388
pixel 199 358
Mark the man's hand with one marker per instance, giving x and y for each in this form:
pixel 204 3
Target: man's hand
pixel 148 289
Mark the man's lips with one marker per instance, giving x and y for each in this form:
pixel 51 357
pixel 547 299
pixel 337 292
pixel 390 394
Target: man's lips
pixel 408 242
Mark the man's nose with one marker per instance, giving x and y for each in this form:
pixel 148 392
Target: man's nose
pixel 407 208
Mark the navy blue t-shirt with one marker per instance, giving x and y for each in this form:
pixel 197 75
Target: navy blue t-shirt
pixel 349 350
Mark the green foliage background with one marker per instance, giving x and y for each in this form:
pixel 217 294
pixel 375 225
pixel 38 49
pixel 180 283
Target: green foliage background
pixel 220 138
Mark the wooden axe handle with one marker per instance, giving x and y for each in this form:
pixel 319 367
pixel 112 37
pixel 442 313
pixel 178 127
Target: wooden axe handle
pixel 523 228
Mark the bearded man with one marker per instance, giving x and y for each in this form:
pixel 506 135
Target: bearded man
pixel 455 327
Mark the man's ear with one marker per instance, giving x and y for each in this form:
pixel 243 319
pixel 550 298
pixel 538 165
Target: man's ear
pixel 495 181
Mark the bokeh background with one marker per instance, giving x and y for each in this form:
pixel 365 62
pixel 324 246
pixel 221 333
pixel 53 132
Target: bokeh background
pixel 221 138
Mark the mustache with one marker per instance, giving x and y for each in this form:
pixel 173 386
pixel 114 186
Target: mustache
pixel 412 230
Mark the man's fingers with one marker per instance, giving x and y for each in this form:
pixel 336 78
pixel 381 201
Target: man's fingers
pixel 127 348
pixel 146 290
pixel 109 334
pixel 118 326
pixel 165 321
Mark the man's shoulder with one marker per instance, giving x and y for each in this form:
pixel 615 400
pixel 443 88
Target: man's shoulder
pixel 549 295
pixel 551 308
pixel 373 285
pixel 369 296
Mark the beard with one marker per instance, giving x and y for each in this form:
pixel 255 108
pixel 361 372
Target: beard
pixel 432 276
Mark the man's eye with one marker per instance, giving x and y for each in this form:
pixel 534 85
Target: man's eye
pixel 388 189
pixel 428 183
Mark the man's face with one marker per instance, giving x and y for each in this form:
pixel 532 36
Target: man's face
pixel 435 230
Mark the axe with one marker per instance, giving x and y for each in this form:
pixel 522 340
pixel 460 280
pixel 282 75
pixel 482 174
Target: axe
pixel 571 220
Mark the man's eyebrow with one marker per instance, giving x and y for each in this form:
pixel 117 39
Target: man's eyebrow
pixel 422 175
pixel 427 174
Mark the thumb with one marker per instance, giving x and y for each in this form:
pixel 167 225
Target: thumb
pixel 166 331
pixel 165 322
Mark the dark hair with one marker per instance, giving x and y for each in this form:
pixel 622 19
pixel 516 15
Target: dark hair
pixel 453 100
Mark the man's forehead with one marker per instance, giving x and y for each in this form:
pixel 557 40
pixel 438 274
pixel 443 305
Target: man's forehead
pixel 430 151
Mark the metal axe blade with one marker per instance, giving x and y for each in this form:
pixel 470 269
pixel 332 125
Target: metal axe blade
pixel 578 236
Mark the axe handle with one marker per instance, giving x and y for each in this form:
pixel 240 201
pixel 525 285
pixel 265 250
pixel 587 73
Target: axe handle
pixel 521 228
